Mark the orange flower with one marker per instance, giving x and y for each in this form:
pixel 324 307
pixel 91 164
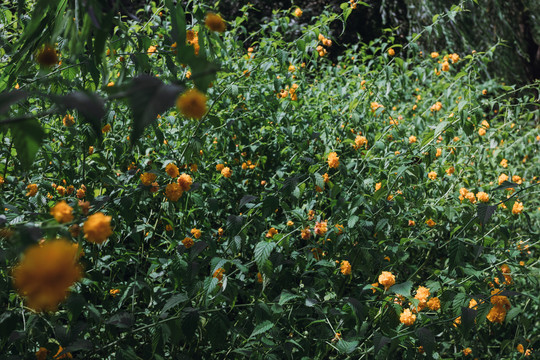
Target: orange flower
pixel 196 233
pixel 173 192
pixel 114 292
pixel 387 279
pixel 188 242
pixel 482 196
pixel 148 178
pixel 298 12
pixel 185 182
pixel 431 223
pixel 97 228
pixel 172 170
pixel 62 212
pixel 497 314
pixel 68 120
pixel 345 267
pixel 434 55
pixel 46 273
pixel 434 303
pixel 106 128
pixel 32 190
pixel 306 233
pixel 502 178
pixel 321 228
pixel 226 172
pixel 215 22
pixel 407 317
pixel 517 208
pixel 391 52
pixel 219 167
pixel 412 223
pixel 271 233
pixel 467 351
pixel 333 160
pixel 192 104
pixel 412 139
pixel 432 175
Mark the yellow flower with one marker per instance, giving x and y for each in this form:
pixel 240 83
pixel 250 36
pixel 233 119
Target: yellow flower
pixel 387 279
pixel 517 208
pixel 502 178
pixel 434 55
pixel 196 233
pixel 2 180
pixel 90 150
pixel 185 182
pixel 61 190
pixel 436 107
pixel 46 273
pixel 431 223
pixel 412 139
pixel 188 242
pixel 106 128
pixel 481 131
pixel 432 175
pixel 62 212
pixel 148 178
pixel 192 104
pixel 412 223
pixel 517 179
pixel 333 160
pixel 290 223
pixel 450 171
pixel 482 196
pixel 298 12
pixel 172 170
pixel 504 163
pixel 407 317
pixel 32 190
pixel 215 22
pixel 439 152
pixel 345 267
pixel 97 228
pixel 226 172
pixel 454 58
pixel 391 52
pixel 219 167
pixel 467 351
pixel 173 192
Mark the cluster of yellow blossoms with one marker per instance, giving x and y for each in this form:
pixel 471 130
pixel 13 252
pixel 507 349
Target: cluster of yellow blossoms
pixel 326 42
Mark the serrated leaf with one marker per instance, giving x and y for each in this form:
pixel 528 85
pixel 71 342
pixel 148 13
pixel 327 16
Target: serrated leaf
pixel 485 212
pixel 427 138
pixel 346 347
pixel 148 97
pixel 246 199
pixel 506 185
pixel 89 105
pixel 11 97
pixel 122 320
pixel 426 339
pixel 173 301
pixel 287 296
pixel 27 139
pixel 270 204
pixel 379 341
pixel 468 317
pixel 403 289
pixel 190 321
pixel 262 252
pixel 262 328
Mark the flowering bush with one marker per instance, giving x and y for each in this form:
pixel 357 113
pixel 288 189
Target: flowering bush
pixel 323 205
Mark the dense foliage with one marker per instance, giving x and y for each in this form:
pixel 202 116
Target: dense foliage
pixel 171 192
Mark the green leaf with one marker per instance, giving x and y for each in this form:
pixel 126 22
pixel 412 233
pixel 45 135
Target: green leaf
pixel 301 44
pixel 403 289
pixel 270 204
pixel 11 97
pixel 426 339
pixel 427 138
pixel 379 341
pixel 190 321
pixel 89 105
pixel 346 347
pixel 27 138
pixel 506 185
pixel 173 301
pixel 262 328
pixel 287 296
pixel 485 212
pixel 262 252
pixel 148 97
pixel 468 317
